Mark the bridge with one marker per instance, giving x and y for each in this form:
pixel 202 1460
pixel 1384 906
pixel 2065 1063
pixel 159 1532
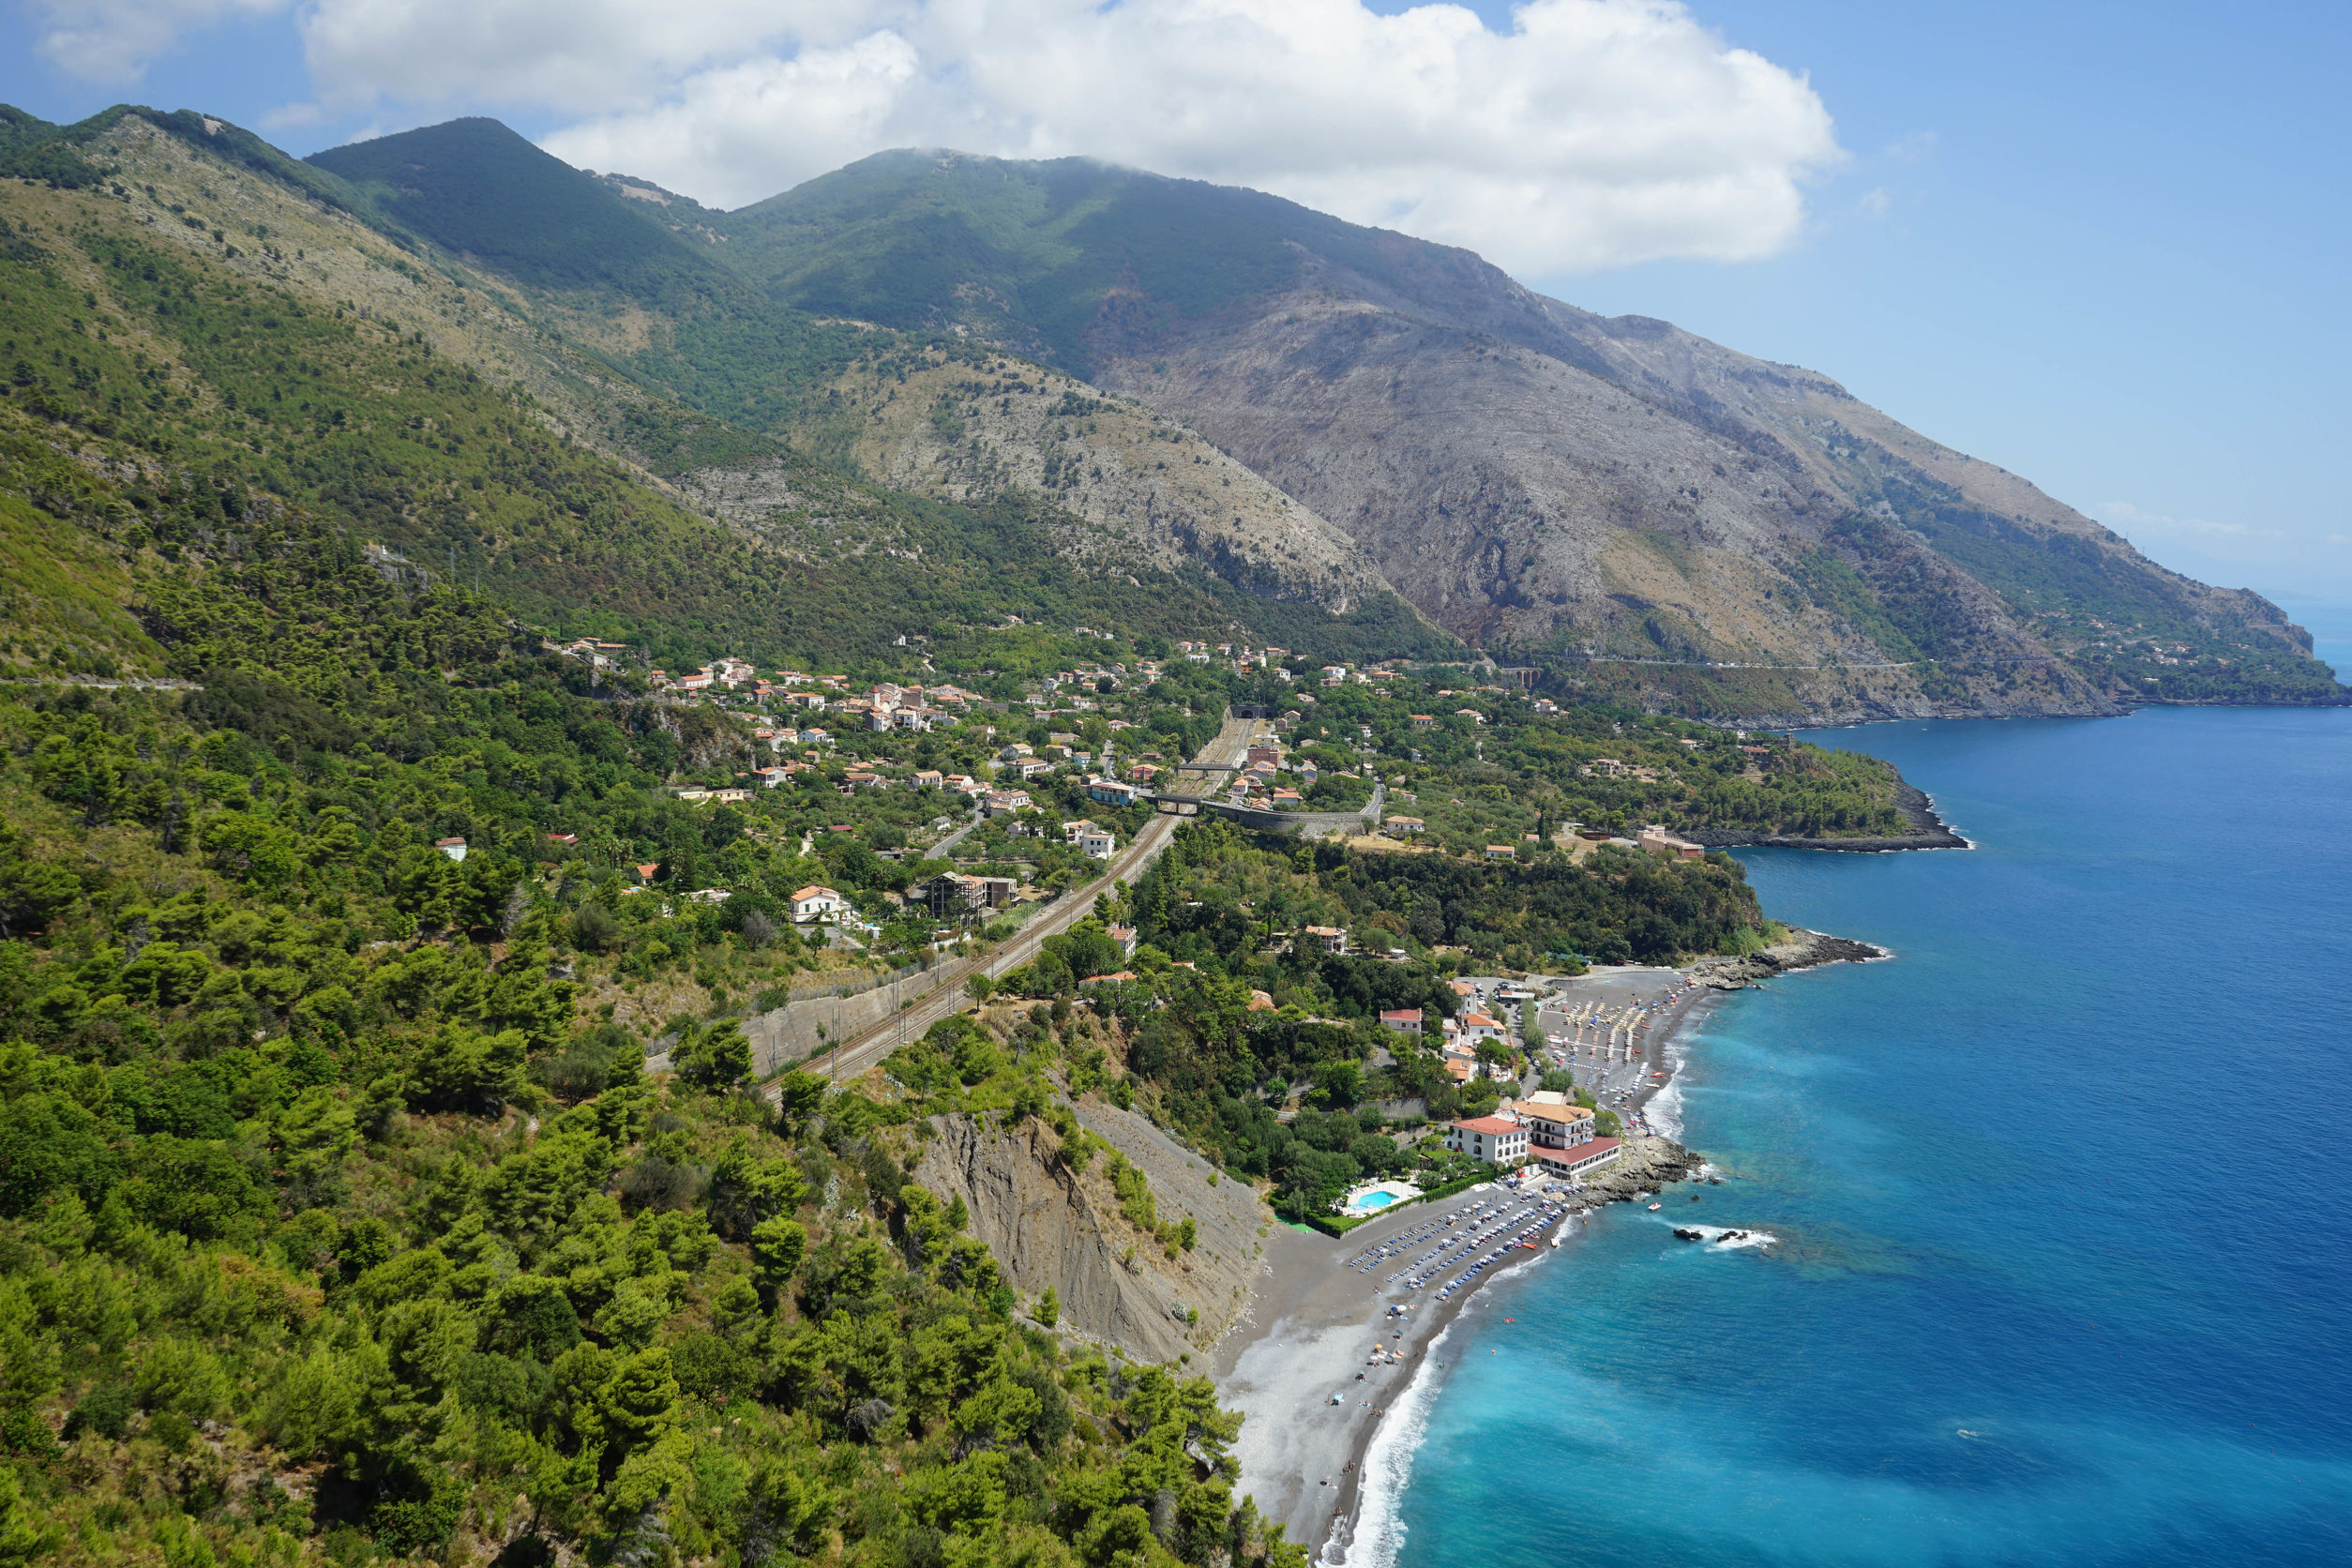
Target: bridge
pixel 1260 820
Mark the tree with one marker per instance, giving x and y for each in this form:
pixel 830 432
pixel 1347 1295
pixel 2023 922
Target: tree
pixel 800 1096
pixel 456 1068
pixel 777 1246
pixel 718 1058
pixel 594 929
pixel 31 891
pixel 640 1401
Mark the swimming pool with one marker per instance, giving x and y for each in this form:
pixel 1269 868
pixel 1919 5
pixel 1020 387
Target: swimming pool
pixel 1371 1201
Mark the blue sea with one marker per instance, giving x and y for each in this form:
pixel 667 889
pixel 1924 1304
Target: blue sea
pixel 2063 1195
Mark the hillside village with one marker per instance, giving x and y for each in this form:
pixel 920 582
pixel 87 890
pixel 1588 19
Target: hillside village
pixel 975 807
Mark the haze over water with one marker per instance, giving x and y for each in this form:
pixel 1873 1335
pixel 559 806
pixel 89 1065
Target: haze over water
pixel 2066 1269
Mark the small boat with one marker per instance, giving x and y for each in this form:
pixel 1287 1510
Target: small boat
pixel 1555 1241
pixel 1655 1207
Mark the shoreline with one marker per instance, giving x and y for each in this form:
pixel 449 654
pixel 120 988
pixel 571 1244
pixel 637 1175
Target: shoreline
pixel 1929 831
pixel 1306 1466
pixel 1803 949
pixel 1313 1321
pixel 1309 1462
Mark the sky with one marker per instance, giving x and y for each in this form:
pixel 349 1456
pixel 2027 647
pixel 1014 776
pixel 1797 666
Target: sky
pixel 2099 245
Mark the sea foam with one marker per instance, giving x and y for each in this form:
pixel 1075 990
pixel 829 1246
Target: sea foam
pixel 1379 1534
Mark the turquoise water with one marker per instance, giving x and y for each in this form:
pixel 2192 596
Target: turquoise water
pixel 2065 1268
pixel 1372 1201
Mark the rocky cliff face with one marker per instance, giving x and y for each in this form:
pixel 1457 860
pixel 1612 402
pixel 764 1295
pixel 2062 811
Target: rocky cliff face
pixel 1048 1227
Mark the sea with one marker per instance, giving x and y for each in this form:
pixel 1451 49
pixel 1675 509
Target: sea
pixel 2060 1197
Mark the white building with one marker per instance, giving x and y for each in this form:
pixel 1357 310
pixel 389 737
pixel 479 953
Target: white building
pixel 814 903
pixel 1490 1139
pixel 1552 1124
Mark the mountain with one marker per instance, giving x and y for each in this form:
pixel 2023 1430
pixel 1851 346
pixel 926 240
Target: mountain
pixel 642 276
pixel 1337 436
pixel 1644 510
pixel 202 329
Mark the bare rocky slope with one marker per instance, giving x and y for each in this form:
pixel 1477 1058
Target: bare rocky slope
pixel 1052 1228
pixel 1553 489
pixel 1156 492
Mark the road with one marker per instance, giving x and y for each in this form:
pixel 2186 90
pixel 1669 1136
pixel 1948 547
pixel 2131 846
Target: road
pixel 861 1053
pixel 939 851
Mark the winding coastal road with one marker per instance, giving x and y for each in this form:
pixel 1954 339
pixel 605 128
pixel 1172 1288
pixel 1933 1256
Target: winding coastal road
pixel 861 1053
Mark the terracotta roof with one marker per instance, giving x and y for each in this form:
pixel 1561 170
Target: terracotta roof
pixel 1578 1155
pixel 1538 1110
pixel 1490 1125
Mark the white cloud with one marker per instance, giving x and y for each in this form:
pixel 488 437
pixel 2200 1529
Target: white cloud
pixel 2135 523
pixel 1593 133
pixel 113 42
pixel 575 56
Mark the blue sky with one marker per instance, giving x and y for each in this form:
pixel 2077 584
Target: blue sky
pixel 2099 245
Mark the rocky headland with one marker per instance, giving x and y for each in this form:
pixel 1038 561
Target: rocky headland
pixel 1927 831
pixel 1802 949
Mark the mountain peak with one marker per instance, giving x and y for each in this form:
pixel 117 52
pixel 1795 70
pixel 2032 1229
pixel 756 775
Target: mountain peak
pixel 477 188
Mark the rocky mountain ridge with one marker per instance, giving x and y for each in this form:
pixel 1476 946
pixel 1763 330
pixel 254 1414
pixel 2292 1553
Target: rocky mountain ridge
pixel 1647 513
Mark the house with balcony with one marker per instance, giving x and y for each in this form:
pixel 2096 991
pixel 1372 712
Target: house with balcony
pixel 1552 1122
pixel 1495 1140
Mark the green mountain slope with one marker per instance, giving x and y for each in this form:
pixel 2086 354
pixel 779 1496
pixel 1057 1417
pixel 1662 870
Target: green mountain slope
pixel 195 331
pixel 1027 251
pixel 631 275
pixel 479 191
pixel 1648 513
pixel 598 265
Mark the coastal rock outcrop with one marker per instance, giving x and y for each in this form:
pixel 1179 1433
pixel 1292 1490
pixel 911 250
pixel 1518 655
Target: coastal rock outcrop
pixel 1802 949
pixel 1647 1164
pixel 1050 1226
